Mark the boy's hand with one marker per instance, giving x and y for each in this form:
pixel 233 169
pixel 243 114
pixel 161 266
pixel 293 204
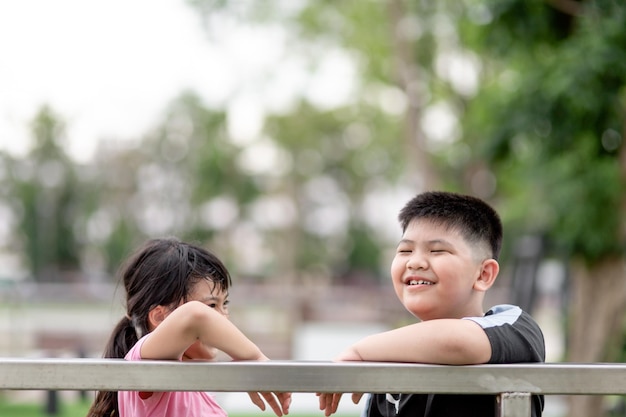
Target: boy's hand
pixel 278 401
pixel 356 397
pixel 329 401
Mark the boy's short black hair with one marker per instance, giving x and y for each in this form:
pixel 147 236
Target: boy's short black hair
pixel 475 219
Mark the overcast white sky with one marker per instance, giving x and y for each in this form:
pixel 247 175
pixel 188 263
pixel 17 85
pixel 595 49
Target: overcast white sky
pixel 109 67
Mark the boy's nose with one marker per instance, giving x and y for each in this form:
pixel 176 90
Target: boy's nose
pixel 416 262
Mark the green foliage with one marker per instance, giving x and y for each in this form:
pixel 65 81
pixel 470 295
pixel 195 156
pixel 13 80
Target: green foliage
pixel 119 244
pixel 363 255
pixel 46 194
pixel 353 147
pixel 208 160
pixel 519 26
pixel 360 27
pixel 354 144
pixel 558 98
pixel 548 121
pixel 588 201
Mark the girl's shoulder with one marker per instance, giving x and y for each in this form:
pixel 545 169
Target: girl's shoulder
pixel 134 354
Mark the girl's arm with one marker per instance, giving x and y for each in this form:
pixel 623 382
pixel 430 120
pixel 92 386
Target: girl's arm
pixel 196 322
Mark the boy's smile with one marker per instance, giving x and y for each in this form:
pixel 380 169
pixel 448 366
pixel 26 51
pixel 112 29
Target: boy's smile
pixel 416 283
pixel 419 282
pixel 434 272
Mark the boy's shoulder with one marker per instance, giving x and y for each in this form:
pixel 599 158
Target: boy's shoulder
pixel 514 335
pixel 499 315
pixel 507 316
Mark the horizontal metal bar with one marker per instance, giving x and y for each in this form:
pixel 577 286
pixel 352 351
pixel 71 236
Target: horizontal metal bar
pixel 293 376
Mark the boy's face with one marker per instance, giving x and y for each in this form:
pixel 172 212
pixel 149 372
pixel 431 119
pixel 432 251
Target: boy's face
pixel 435 272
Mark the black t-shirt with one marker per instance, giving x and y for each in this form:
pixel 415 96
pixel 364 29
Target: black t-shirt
pixel 515 338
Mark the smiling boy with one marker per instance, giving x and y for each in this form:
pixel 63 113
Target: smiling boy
pixel 445 262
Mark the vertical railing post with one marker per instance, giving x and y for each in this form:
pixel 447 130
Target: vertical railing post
pixel 52 403
pixel 514 404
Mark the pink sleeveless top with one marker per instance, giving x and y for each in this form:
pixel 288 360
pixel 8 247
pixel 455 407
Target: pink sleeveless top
pixel 166 404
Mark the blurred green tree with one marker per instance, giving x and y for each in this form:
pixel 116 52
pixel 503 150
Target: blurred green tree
pixel 340 158
pixel 113 228
pixel 346 155
pixel 49 203
pixel 208 191
pixel 159 186
pixel 297 187
pixel 520 102
pixel 551 121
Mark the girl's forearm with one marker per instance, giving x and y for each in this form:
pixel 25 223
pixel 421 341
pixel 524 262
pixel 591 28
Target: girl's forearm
pixel 195 322
pixel 215 330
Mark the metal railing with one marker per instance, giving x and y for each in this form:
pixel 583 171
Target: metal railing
pixel 513 384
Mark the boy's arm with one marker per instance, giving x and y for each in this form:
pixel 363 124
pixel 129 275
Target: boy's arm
pixel 443 341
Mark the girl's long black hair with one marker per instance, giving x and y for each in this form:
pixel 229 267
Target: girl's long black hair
pixel 161 272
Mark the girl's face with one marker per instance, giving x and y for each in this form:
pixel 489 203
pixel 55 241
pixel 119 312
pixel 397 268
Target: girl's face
pixel 206 292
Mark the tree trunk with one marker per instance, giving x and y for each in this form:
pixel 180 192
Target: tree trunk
pixel 597 311
pixel 422 172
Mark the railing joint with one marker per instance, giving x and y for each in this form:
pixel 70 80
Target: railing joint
pixel 514 404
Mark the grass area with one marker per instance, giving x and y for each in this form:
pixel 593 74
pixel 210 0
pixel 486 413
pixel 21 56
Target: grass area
pixel 10 409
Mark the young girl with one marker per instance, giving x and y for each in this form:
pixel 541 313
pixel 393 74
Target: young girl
pixel 176 308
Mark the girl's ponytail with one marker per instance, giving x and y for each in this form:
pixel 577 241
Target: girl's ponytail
pixel 122 339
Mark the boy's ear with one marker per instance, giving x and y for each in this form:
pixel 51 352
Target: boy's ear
pixel 488 273
pixel 156 316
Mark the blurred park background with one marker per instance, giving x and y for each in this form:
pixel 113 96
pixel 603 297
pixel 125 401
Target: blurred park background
pixel 300 135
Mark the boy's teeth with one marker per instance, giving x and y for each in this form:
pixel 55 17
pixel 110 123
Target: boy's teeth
pixel 419 282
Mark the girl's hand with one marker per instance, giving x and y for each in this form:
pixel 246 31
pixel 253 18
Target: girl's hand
pixel 278 401
pixel 200 351
pixel 329 401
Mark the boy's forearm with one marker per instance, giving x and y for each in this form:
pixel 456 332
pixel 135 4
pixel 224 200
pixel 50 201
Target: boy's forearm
pixel 350 354
pixel 447 342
